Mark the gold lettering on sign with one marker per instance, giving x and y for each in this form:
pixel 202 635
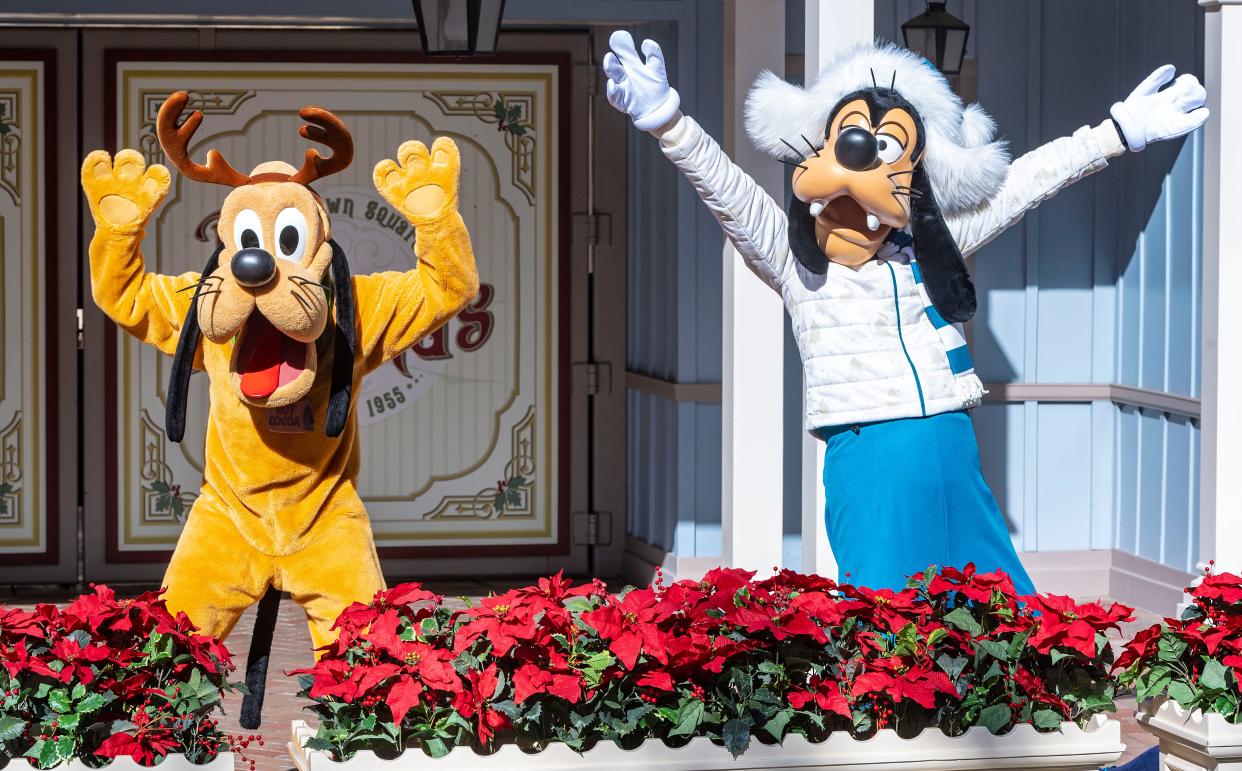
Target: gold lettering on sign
pixel 512 113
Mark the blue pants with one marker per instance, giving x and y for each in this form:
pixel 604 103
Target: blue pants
pixel 905 494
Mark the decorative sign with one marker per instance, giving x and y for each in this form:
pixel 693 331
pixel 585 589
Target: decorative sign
pixel 459 433
pixel 23 281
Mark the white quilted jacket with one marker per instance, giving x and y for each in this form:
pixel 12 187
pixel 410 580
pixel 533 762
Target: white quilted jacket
pixel 869 351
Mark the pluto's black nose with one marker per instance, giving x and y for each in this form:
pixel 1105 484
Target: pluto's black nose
pixel 253 267
pixel 856 149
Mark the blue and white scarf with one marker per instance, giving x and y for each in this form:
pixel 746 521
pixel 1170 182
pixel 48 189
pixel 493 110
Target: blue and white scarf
pixel 952 336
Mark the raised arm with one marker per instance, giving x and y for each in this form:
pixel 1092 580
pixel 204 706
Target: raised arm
pixel 122 194
pixel 397 309
pixel 753 222
pixel 1147 115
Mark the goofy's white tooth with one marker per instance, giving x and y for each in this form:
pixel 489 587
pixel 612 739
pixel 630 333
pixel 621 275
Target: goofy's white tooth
pixel 815 208
pixel 873 222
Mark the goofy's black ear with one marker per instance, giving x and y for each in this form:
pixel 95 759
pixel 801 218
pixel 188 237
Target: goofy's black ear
pixel 344 342
pixel 183 359
pixel 802 237
pixel 944 271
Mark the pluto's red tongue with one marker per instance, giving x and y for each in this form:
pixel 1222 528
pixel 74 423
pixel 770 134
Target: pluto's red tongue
pixel 260 359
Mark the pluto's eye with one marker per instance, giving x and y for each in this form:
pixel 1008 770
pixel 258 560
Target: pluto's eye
pixel 289 239
pixel 888 147
pixel 247 230
pixel 291 234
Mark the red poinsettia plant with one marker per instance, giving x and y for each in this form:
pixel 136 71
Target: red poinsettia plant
pixel 103 677
pixel 1196 660
pixel 727 657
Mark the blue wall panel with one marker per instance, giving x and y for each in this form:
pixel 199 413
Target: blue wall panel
pixel 673 318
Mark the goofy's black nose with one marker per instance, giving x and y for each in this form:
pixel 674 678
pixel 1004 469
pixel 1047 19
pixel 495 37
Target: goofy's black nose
pixel 253 267
pixel 856 149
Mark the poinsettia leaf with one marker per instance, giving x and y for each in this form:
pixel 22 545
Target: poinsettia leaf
pixel 1213 675
pixel 1046 718
pixel 436 748
pixel 688 719
pixel 578 604
pixel 1183 693
pixel 962 619
pixel 994 648
pixel 777 724
pixel 995 717
pixel 952 665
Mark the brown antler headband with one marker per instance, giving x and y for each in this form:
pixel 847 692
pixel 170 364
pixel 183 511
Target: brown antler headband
pixel 322 127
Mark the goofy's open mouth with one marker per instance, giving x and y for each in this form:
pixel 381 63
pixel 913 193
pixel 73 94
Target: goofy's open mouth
pixel 845 218
pixel 267 359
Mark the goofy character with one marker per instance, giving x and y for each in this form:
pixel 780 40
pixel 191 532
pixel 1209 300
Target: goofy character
pixel 894 183
pixel 285 334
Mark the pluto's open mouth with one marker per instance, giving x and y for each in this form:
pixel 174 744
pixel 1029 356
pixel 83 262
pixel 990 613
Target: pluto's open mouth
pixel 268 358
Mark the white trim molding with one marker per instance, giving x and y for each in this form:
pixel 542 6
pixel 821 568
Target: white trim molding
pixel 672 390
pixel 1113 573
pixel 1220 486
pixel 1130 396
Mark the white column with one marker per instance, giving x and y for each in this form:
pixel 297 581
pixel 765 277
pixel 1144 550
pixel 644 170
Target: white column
pixel 1220 502
pixel 753 316
pixel 831 25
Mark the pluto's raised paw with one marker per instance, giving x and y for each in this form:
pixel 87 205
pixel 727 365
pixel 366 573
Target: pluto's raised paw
pixel 420 184
pixel 123 191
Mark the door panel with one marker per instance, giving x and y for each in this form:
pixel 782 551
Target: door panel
pixel 38 377
pixel 464 436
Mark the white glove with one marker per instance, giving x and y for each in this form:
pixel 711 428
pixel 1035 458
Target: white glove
pixel 637 88
pixel 1151 115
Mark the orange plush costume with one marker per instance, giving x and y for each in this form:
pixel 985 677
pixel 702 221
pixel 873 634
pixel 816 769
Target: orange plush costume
pixel 289 335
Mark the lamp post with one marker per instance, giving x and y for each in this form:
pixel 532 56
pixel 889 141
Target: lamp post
pixel 459 27
pixel 939 36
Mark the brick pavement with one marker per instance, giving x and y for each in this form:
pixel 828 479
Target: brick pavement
pixel 291 649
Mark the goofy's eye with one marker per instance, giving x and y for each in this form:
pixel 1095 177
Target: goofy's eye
pixel 247 230
pixel 291 234
pixel 888 147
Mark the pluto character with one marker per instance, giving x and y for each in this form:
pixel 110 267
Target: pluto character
pixel 285 335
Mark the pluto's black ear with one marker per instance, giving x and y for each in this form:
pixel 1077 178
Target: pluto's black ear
pixel 345 341
pixel 944 271
pixel 183 359
pixel 802 237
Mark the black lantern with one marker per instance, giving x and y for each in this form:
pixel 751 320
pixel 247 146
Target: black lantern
pixel 939 36
pixel 459 27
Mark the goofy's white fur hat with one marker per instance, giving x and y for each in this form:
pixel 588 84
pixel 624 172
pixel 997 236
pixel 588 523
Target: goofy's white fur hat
pixel 966 165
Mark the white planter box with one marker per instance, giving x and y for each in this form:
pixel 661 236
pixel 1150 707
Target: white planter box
pixel 1022 749
pixel 223 762
pixel 1191 741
